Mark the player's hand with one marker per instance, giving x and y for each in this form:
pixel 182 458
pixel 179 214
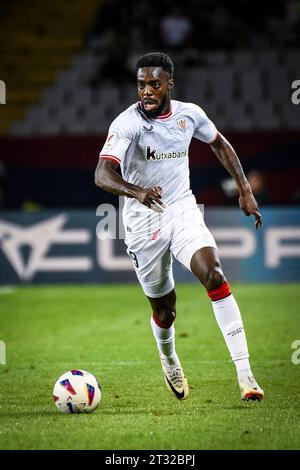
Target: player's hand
pixel 151 197
pixel 249 205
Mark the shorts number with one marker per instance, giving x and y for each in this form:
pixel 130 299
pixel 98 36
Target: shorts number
pixel 134 258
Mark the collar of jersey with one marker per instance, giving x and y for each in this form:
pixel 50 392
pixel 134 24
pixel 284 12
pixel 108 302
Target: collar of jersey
pixel 163 116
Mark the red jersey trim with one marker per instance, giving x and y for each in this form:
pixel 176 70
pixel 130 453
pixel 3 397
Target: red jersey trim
pixel 110 157
pixel 165 116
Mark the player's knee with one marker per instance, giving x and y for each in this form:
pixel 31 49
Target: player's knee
pixel 214 278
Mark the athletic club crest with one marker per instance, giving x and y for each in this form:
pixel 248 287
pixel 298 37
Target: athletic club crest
pixel 182 124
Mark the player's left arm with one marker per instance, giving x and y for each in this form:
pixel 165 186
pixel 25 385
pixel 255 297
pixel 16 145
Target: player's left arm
pixel 229 159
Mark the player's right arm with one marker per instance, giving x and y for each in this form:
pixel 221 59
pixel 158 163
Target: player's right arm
pixel 108 179
pixel 121 135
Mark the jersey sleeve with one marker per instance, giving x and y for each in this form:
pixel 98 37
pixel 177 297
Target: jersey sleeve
pixel 205 129
pixel 117 142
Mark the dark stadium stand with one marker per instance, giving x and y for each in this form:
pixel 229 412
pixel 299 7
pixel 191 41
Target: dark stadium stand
pixel 61 99
pixel 59 171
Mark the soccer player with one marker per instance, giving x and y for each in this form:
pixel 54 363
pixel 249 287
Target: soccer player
pixel 150 142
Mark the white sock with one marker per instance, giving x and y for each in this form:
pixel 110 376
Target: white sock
pixel 165 340
pixel 229 319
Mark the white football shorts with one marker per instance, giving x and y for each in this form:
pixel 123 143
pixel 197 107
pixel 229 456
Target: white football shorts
pixel 153 238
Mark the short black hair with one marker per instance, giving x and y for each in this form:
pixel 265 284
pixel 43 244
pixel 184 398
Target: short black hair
pixel 156 59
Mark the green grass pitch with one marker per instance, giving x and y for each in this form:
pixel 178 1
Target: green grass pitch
pixel 106 330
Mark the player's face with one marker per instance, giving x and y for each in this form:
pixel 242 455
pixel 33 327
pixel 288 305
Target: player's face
pixel 153 85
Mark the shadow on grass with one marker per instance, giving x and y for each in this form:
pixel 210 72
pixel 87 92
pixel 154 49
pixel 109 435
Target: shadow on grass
pixel 101 411
pixel 20 414
pixel 245 407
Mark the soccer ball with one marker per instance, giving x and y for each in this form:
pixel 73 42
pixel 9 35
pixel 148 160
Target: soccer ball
pixel 77 391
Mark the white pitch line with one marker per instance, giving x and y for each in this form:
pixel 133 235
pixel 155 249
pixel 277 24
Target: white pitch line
pixel 7 290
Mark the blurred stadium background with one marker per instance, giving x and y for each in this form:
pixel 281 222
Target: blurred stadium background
pixel 70 70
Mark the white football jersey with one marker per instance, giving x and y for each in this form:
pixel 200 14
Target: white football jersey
pixel 154 152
